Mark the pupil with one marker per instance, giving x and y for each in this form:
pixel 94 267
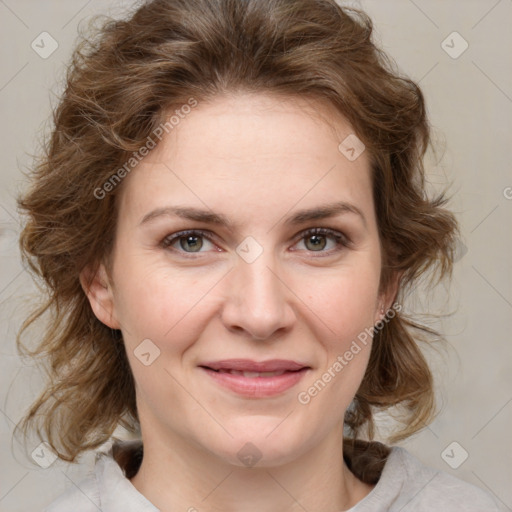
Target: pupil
pixel 318 241
pixel 192 242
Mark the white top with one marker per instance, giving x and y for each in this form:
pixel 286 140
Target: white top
pixel 405 485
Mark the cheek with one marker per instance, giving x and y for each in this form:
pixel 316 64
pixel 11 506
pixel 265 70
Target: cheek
pixel 344 304
pixel 154 300
pixel 345 328
pixel 345 301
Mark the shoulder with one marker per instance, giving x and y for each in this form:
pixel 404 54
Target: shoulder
pixel 423 488
pixel 402 483
pixel 87 494
pixel 80 497
pixel 107 488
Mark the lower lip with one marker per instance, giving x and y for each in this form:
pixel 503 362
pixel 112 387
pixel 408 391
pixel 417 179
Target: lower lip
pixel 257 387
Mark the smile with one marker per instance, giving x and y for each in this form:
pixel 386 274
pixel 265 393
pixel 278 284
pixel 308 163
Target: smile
pixel 256 380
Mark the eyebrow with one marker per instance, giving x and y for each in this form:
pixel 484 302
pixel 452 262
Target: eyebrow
pixel 299 217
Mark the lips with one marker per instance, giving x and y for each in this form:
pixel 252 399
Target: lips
pixel 256 379
pixel 236 366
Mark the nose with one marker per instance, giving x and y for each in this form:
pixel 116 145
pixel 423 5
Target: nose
pixel 258 299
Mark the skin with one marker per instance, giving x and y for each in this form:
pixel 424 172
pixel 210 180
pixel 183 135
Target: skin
pixel 257 159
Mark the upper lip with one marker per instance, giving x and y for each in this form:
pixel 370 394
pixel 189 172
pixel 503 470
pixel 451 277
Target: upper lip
pixel 247 365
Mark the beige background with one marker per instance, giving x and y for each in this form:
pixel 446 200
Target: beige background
pixel 470 104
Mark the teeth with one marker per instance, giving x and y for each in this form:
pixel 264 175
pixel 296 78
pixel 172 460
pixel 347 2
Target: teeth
pixel 252 375
pixel 272 374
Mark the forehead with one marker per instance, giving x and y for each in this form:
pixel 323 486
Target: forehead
pixel 244 126
pixel 251 150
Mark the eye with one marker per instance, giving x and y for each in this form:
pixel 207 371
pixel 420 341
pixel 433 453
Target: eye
pixel 193 240
pixel 316 240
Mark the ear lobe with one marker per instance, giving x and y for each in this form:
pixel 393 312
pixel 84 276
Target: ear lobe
pixel 97 288
pixel 387 297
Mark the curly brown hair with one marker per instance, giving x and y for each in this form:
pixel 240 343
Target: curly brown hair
pixel 121 85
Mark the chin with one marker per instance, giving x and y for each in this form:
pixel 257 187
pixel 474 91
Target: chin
pixel 271 446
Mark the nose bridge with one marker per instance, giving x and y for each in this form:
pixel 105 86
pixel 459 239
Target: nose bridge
pixel 258 300
pixel 260 284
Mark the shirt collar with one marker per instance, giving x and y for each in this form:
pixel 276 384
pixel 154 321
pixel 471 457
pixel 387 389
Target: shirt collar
pixel 116 491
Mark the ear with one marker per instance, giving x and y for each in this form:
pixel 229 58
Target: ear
pixel 98 288
pixel 387 297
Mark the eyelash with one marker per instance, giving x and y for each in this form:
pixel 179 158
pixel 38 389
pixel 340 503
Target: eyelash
pixel 341 240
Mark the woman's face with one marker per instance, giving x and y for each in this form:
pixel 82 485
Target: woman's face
pixel 252 284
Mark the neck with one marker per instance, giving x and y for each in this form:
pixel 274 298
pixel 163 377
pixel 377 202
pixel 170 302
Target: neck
pixel 177 475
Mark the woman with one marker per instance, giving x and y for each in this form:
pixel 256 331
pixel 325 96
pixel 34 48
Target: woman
pixel 229 214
